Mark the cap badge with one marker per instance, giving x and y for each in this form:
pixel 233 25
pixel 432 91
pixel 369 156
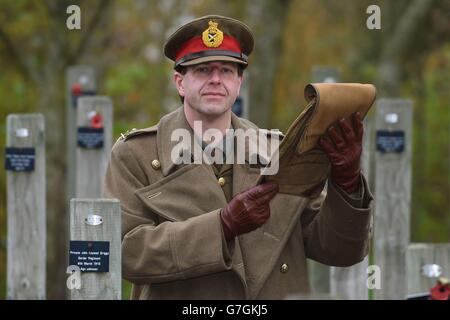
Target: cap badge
pixel 212 37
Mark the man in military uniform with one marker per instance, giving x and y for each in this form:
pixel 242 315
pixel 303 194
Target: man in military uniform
pixel 205 231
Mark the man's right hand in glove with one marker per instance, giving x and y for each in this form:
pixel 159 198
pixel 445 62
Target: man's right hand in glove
pixel 248 210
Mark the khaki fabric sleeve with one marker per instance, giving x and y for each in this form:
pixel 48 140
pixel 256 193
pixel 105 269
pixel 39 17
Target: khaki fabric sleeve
pixel 154 252
pixel 336 232
pixel 355 199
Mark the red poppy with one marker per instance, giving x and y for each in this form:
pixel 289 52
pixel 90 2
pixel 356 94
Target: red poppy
pixel 76 89
pixel 441 291
pixel 97 121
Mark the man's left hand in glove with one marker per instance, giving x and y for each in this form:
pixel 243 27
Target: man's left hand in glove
pixel 343 145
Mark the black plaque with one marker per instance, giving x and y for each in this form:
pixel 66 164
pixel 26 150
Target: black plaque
pixel 390 141
pixel 238 108
pixel 83 94
pixel 89 256
pixel 90 138
pixel 20 159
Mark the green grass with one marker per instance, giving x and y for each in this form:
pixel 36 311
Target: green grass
pixel 126 290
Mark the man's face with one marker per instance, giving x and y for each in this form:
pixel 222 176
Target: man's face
pixel 209 88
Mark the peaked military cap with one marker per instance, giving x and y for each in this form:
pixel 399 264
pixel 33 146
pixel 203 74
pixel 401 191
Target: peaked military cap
pixel 210 38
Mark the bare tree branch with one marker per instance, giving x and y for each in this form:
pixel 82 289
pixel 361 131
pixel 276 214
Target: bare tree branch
pixel 72 58
pixel 406 27
pixel 17 58
pixel 395 47
pixel 267 55
pixel 55 10
pixel 50 6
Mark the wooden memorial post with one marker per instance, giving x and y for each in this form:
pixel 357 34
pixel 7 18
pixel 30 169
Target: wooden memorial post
pixel 348 282
pixel 319 274
pixel 425 262
pixel 393 195
pixel 95 249
pixel 80 81
pixel 26 206
pixel 94 139
pixel 241 106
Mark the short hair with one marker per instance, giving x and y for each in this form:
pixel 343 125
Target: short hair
pixel 183 70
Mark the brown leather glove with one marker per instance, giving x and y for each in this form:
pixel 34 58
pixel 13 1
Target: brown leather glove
pixel 248 210
pixel 344 148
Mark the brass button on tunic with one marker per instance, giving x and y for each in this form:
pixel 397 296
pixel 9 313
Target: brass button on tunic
pixel 156 164
pixel 224 175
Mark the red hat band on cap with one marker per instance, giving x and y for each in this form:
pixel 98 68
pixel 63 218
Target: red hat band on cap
pixel 195 45
pixel 208 39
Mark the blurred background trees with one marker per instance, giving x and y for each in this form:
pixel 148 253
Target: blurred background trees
pixel 408 58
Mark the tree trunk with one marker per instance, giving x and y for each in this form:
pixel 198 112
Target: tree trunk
pixel 268 19
pixel 394 49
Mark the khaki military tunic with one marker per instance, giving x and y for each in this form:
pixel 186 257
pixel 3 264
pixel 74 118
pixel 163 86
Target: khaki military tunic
pixel 172 241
